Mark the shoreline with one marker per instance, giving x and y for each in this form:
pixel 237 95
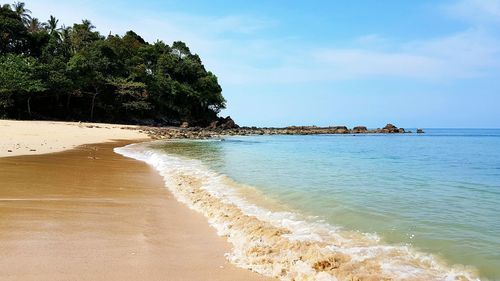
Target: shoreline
pixel 257 244
pixel 91 214
pixel 40 137
pixel 286 245
pixel 74 209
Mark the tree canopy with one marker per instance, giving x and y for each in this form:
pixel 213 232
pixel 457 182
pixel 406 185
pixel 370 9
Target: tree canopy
pixel 49 71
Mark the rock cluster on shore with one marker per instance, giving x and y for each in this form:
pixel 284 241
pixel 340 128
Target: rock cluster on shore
pixel 227 127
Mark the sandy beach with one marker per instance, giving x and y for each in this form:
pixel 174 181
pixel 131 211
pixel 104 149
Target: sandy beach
pixel 39 137
pixel 88 213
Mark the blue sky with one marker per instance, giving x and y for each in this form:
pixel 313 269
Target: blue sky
pixel 413 63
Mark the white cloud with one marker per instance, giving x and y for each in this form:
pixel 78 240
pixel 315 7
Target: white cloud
pixel 475 11
pixel 467 54
pixel 234 47
pixel 370 39
pixel 358 62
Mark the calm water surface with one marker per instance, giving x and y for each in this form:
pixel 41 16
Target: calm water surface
pixel 439 191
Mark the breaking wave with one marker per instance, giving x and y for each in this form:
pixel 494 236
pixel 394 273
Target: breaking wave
pixel 287 245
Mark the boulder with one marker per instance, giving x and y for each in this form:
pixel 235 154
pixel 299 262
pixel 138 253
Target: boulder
pixel 340 130
pixel 228 123
pixel 213 124
pixel 184 124
pixel 389 128
pixel 359 130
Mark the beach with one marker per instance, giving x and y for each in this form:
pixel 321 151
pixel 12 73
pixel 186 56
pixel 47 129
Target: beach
pixel 40 137
pixel 79 211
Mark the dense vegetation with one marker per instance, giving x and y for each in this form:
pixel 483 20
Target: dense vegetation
pixel 49 71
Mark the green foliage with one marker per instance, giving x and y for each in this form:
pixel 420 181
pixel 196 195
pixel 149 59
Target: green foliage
pixel 58 72
pixel 17 80
pixel 13 33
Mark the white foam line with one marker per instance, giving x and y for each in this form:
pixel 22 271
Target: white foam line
pixel 399 262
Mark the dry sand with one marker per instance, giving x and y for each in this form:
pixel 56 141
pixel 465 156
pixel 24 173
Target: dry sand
pixel 39 137
pixel 91 214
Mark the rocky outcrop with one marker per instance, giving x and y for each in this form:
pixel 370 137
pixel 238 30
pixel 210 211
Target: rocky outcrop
pixel 228 123
pixel 390 129
pixel 420 131
pixel 340 130
pixel 227 127
pixel 359 130
pixel 213 124
pixel 223 123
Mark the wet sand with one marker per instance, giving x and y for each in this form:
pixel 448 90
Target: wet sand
pixel 91 214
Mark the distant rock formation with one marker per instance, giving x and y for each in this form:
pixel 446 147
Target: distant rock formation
pixel 420 131
pixel 360 130
pixel 227 127
pixel 340 130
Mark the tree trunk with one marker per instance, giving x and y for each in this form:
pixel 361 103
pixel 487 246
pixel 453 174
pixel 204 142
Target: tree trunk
pixel 92 108
pixel 67 102
pixel 29 106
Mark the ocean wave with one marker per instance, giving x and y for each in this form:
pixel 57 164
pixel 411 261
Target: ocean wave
pixel 283 244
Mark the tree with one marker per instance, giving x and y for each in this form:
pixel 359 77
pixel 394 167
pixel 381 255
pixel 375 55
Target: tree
pixel 34 25
pixel 52 24
pixel 20 9
pixel 132 97
pixel 91 69
pixel 82 35
pixel 13 33
pixel 18 81
pixel 75 73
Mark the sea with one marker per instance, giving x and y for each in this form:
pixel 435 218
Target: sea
pixel 334 207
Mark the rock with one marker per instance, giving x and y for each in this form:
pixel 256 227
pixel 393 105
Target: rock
pixel 420 131
pixel 340 130
pixel 213 124
pixel 185 125
pixel 359 130
pixel 390 127
pixel 228 123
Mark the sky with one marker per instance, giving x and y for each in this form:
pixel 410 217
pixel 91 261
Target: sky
pixel 430 64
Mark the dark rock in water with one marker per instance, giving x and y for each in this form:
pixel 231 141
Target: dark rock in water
pixel 227 127
pixel 420 131
pixel 359 130
pixel 390 127
pixel 340 130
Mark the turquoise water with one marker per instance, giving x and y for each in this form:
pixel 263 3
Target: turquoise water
pixel 439 191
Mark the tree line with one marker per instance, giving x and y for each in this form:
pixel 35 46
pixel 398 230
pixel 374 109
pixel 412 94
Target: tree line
pixel 50 71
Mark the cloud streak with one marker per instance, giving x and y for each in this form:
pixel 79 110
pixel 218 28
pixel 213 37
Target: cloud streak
pixel 475 11
pixel 235 49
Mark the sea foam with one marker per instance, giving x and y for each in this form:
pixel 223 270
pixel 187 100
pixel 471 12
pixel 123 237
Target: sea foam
pixel 287 245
